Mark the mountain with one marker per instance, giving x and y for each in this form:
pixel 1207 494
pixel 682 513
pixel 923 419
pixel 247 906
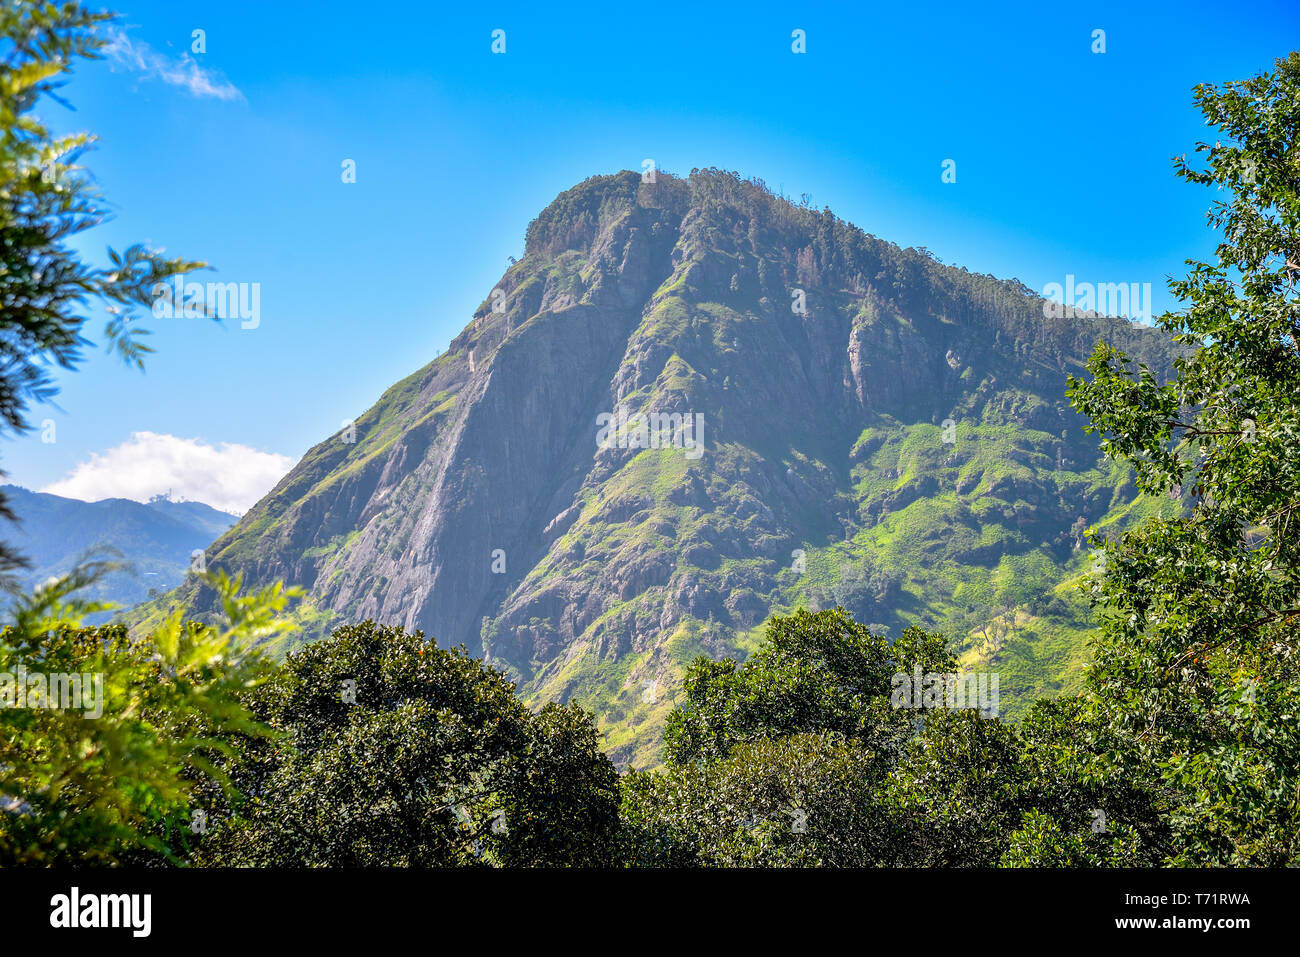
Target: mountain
pixel 202 518
pixel 867 426
pixel 156 539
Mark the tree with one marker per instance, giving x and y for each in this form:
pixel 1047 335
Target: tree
pixel 975 792
pixel 47 200
pixel 107 772
pixel 863 589
pixel 815 672
pixel 803 800
pixel 1196 659
pixel 782 761
pixel 393 751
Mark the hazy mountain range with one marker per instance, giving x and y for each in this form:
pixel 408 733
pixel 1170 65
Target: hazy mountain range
pixel 156 539
pixel 838 420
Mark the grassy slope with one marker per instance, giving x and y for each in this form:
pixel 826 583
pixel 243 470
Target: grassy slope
pixel 996 573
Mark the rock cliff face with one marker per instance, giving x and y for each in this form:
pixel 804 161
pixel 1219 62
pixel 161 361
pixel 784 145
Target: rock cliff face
pixel 838 420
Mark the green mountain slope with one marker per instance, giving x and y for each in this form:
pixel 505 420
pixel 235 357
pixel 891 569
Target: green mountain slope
pixel 878 430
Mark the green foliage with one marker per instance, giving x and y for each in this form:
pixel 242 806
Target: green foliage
pixel 784 760
pixel 864 590
pixel 816 672
pixel 1238 786
pixel 806 733
pixel 1040 842
pixel 1196 656
pixel 968 787
pixel 396 752
pixel 81 787
pixel 961 789
pixel 802 800
pixel 574 218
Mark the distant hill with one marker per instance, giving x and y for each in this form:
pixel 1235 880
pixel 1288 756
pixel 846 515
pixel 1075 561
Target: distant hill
pixel 156 538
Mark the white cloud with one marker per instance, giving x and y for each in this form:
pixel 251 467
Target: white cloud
pixel 230 477
pixel 183 71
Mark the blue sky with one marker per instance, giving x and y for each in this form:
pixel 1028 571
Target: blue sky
pixel 234 156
